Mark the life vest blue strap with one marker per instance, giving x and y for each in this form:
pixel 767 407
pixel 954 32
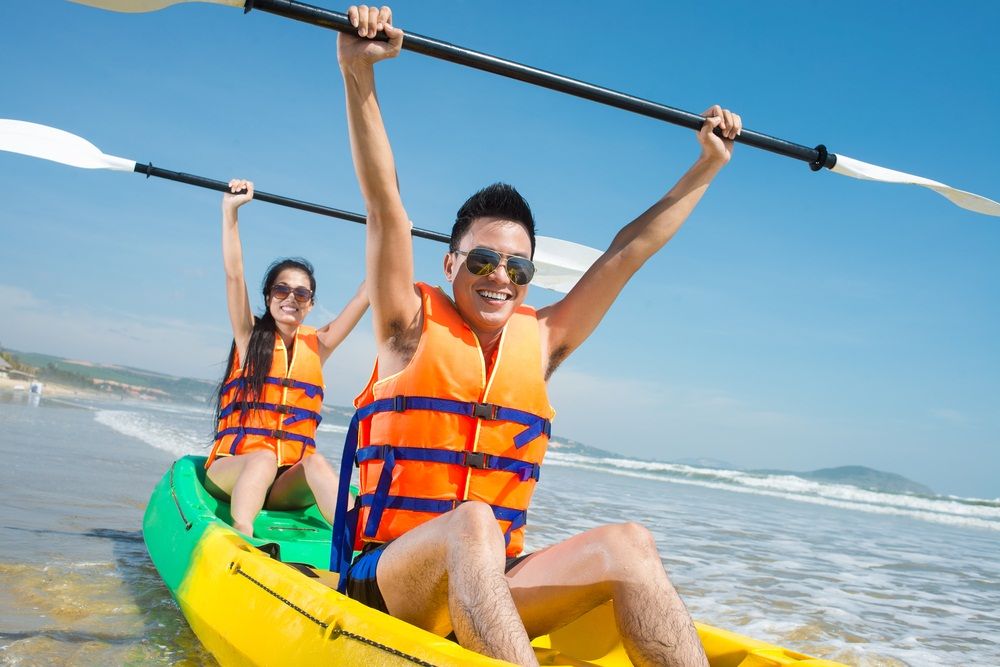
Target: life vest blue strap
pixel 536 425
pixel 241 431
pixel 478 460
pixel 294 414
pixel 381 493
pixel 389 454
pixel 311 390
pixel 342 545
pixel 344 521
pixel 516 517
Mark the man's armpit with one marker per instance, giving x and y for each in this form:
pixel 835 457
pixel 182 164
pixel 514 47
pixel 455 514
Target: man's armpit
pixel 557 357
pixel 403 338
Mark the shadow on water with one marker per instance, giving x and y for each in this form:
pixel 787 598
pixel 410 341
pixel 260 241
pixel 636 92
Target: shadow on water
pixel 71 637
pixel 164 625
pixel 152 628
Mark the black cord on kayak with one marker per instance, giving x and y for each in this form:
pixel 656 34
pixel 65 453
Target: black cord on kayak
pixel 336 631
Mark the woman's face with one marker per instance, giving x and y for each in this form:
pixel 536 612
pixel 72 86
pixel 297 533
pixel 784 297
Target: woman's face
pixel 282 301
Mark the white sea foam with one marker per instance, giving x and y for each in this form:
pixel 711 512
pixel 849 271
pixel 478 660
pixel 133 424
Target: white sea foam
pixel 180 430
pixel 968 513
pixel 205 411
pixel 174 437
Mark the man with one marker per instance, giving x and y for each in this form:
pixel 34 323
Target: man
pixel 454 422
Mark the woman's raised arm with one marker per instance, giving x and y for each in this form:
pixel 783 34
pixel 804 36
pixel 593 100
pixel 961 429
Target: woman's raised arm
pixel 240 315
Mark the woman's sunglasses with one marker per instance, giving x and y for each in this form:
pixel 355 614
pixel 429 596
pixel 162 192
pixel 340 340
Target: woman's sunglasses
pixel 281 292
pixel 483 262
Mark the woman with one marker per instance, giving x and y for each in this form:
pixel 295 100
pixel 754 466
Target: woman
pixel 268 406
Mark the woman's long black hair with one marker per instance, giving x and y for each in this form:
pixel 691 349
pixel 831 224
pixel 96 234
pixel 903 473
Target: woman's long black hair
pixel 260 350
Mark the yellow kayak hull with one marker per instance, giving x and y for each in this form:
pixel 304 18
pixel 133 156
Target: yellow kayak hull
pixel 249 609
pixel 275 605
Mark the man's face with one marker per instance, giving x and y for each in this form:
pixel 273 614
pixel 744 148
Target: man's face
pixel 487 302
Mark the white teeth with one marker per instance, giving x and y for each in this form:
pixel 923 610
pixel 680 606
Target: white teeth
pixel 494 296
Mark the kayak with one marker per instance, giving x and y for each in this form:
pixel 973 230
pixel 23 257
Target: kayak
pixel 271 599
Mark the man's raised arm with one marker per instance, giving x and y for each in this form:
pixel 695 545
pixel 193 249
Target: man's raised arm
pixel 568 322
pixel 389 250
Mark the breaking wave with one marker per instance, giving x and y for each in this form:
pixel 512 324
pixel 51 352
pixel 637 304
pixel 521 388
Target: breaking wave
pixel 968 512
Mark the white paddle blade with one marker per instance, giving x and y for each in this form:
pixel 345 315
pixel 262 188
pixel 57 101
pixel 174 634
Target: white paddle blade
pixel 140 6
pixel 560 264
pixel 870 172
pixel 48 143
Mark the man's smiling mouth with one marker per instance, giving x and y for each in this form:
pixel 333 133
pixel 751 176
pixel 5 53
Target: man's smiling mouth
pixel 493 296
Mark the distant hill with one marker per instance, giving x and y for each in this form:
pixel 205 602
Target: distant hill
pixel 567 446
pixel 117 380
pixel 861 477
pixel 867 478
pixel 858 476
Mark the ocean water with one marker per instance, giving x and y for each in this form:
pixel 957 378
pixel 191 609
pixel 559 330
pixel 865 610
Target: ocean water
pixel 860 577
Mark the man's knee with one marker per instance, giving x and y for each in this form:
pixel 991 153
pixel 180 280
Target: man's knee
pixel 628 548
pixel 474 520
pixel 636 538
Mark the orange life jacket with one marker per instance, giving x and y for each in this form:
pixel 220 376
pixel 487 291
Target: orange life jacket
pixel 284 418
pixel 442 431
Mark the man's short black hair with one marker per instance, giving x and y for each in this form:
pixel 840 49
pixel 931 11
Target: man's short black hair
pixel 498 200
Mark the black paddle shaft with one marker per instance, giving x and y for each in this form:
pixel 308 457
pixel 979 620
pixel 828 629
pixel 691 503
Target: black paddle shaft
pixel 817 158
pixel 219 186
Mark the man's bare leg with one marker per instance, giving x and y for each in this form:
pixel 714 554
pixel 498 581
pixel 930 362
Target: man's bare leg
pixel 245 479
pixel 448 574
pixel 620 563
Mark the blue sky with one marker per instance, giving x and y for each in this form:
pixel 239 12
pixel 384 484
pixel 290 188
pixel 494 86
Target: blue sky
pixel 799 320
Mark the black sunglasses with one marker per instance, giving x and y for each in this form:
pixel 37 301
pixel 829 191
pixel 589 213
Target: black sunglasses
pixel 483 262
pixel 281 292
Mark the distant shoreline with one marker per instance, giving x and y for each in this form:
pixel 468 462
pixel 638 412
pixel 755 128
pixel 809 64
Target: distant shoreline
pixel 85 379
pixel 49 389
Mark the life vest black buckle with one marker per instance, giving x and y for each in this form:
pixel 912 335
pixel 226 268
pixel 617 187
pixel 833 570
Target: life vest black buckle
pixel 484 410
pixel 399 403
pixel 287 382
pixel 283 409
pixel 475 460
pixel 278 434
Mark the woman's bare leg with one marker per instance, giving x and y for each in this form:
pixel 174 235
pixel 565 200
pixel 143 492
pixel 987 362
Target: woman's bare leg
pixel 311 480
pixel 245 478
